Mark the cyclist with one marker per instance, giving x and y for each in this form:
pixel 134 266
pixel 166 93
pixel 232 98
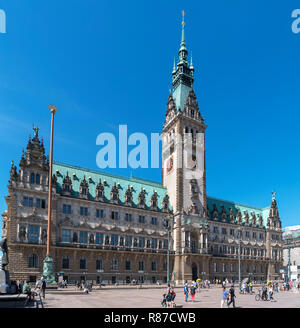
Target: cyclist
pixel 264 295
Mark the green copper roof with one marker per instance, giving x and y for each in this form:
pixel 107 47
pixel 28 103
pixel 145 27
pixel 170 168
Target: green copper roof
pixel 264 212
pixel 180 95
pixel 136 183
pixel 182 76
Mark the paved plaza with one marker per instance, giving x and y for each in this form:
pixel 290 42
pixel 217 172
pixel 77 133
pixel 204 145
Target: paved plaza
pixel 151 298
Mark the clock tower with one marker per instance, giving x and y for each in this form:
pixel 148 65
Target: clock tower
pixel 183 159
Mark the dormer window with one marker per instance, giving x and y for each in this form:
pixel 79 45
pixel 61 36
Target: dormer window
pixel 114 194
pixel 67 185
pixel 100 191
pixel 84 189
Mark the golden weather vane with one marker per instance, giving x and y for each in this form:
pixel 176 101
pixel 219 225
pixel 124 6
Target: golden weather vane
pixel 183 14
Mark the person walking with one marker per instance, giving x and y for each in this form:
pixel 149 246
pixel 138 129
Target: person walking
pixel 271 293
pixel 224 296
pixel 186 291
pixel 250 288
pixel 43 287
pixel 193 292
pixel 232 296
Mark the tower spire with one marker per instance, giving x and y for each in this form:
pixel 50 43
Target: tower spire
pixel 183 75
pixel 182 45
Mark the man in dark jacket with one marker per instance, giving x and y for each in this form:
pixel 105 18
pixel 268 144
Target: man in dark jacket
pixel 232 296
pixel 43 286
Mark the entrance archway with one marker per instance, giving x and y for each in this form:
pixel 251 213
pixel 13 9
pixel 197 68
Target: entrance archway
pixel 194 272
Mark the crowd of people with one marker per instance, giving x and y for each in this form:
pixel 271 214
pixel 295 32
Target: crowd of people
pixel 84 286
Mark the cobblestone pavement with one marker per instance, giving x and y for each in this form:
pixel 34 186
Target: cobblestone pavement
pixel 151 298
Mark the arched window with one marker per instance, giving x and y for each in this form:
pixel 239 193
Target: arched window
pixel 38 179
pixel 32 178
pixel 33 261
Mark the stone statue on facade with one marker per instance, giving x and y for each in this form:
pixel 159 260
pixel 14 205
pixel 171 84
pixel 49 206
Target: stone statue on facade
pixel 3 245
pixel 4 274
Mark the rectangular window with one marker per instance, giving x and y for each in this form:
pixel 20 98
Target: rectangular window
pixel 254 235
pixel 232 232
pixel 232 267
pixel 114 240
pixel 247 234
pixel 216 230
pixel 66 209
pixel 25 201
pixel 127 265
pixel 128 241
pixel 65 262
pixel 154 221
pixel 66 236
pixel 38 203
pixel 153 266
pixel 141 219
pixel 114 215
pixel 83 237
pixel 99 264
pixel 215 267
pixel 99 213
pixel 154 243
pixel 128 217
pixel 114 264
pixel 84 211
pixel 99 238
pixel 141 265
pixel 141 242
pixel 33 234
pixel 165 243
pixel 30 202
pixel 224 231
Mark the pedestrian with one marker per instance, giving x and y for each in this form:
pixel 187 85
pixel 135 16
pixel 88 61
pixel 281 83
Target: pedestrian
pixel 271 293
pixel 224 296
pixel 232 296
pixel 27 290
pixel 43 286
pixel 264 293
pixel 186 291
pixel 250 287
pixel 193 292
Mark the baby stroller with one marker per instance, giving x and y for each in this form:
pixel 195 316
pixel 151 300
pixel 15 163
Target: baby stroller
pixel 164 301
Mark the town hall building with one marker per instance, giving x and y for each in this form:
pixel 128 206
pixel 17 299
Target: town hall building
pixel 110 228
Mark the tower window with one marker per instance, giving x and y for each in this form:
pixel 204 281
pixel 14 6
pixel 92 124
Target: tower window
pixel 32 178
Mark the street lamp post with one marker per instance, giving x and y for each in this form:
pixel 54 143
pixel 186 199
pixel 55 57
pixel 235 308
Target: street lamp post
pixel 48 274
pixel 240 231
pixel 168 227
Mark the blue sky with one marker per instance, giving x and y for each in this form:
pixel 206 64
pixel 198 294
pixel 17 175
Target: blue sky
pixel 105 63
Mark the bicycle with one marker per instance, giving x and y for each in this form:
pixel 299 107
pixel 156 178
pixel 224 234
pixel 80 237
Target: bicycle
pixel 260 297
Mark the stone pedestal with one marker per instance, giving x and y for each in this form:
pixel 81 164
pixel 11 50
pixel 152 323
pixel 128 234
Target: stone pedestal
pixel 4 282
pixel 48 274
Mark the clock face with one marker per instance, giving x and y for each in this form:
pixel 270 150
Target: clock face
pixel 170 164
